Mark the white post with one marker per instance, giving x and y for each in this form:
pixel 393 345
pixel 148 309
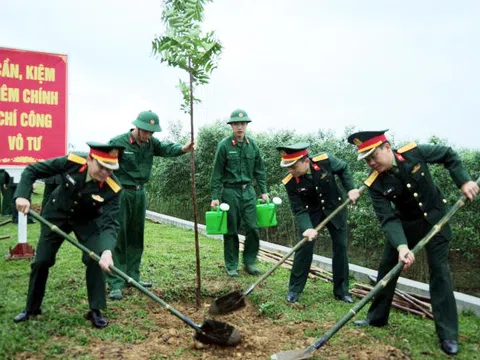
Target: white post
pixel 22 228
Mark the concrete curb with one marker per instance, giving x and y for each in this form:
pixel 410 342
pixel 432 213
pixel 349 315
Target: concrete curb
pixel 464 301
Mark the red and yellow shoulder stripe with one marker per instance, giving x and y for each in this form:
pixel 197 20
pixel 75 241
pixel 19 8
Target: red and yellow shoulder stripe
pixel 287 179
pixel 407 147
pixel 320 157
pixel 77 159
pixel 371 178
pixel 113 185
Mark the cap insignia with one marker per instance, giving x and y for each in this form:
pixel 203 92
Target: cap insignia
pixel 357 141
pixel 240 114
pixel 152 122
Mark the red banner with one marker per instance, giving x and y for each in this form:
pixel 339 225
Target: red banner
pixel 33 106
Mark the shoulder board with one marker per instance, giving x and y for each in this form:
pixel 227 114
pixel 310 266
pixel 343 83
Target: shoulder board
pixel 287 179
pixel 407 147
pixel 320 157
pixel 371 178
pixel 77 159
pixel 112 183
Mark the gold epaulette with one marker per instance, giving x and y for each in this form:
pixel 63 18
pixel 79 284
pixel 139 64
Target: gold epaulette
pixel 113 184
pixel 371 178
pixel 320 157
pixel 287 179
pixel 77 159
pixel 407 147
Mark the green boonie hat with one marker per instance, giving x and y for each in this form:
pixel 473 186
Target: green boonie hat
pixel 107 155
pixel 239 116
pixel 292 153
pixel 147 120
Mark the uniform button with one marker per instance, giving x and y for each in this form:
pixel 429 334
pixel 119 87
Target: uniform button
pixel 67 185
pixel 306 207
pixel 323 207
pixel 93 204
pixel 323 201
pixel 53 200
pixel 339 199
pixel 316 187
pixel 420 204
pixel 394 196
pixel 321 195
pixel 423 174
pixel 72 210
pixel 415 194
pixel 409 186
pixel 425 214
pixel 444 201
pixel 75 203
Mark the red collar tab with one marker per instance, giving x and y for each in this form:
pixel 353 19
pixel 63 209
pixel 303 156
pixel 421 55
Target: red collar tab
pixel 297 180
pixel 100 184
pixel 131 139
pixel 295 155
pixel 315 167
pixel 399 157
pixel 371 143
pixel 82 169
pixel 234 142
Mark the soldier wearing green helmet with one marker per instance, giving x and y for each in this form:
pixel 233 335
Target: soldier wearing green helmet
pixel 134 172
pixel 237 165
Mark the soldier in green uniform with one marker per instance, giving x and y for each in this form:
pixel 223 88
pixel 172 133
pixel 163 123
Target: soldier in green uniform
pixel 408 204
pixel 237 165
pixel 134 172
pixel 314 194
pixel 87 203
pixel 7 198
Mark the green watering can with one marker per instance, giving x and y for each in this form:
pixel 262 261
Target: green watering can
pixel 217 220
pixel 267 212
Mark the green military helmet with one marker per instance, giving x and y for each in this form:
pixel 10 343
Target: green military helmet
pixel 239 116
pixel 148 121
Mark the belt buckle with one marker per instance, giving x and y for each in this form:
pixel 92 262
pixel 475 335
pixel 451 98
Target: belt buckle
pixel 137 187
pixel 244 186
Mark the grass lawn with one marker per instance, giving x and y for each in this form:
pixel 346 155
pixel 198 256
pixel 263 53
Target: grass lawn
pixel 140 328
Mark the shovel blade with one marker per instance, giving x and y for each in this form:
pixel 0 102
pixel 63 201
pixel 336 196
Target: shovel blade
pixel 291 355
pixel 218 333
pixel 225 304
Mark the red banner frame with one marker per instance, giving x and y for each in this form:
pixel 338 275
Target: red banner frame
pixel 33 106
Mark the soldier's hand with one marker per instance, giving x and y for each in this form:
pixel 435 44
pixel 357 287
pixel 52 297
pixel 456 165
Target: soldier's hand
pixel 406 256
pixel 189 146
pixel 214 204
pixel 22 205
pixel 310 234
pixel 106 260
pixel 353 195
pixel 264 197
pixel 470 189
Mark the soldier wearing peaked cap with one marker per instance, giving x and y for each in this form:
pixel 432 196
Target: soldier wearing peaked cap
pixel 134 172
pixel 408 203
pixel 87 203
pixel 314 194
pixel 237 165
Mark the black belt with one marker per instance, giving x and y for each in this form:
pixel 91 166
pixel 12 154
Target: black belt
pixel 237 186
pixel 133 187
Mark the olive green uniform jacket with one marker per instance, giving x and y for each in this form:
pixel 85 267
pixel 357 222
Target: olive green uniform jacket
pixel 134 172
pixel 236 167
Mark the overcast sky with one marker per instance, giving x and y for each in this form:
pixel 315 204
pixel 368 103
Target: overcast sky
pixel 407 65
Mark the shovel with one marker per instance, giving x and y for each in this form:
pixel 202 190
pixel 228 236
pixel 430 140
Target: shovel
pixel 236 300
pixel 307 353
pixel 209 332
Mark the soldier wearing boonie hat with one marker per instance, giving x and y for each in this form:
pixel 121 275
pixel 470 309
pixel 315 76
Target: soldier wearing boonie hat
pixel 237 165
pixel 402 178
pixel 313 195
pixel 134 171
pixel 86 202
